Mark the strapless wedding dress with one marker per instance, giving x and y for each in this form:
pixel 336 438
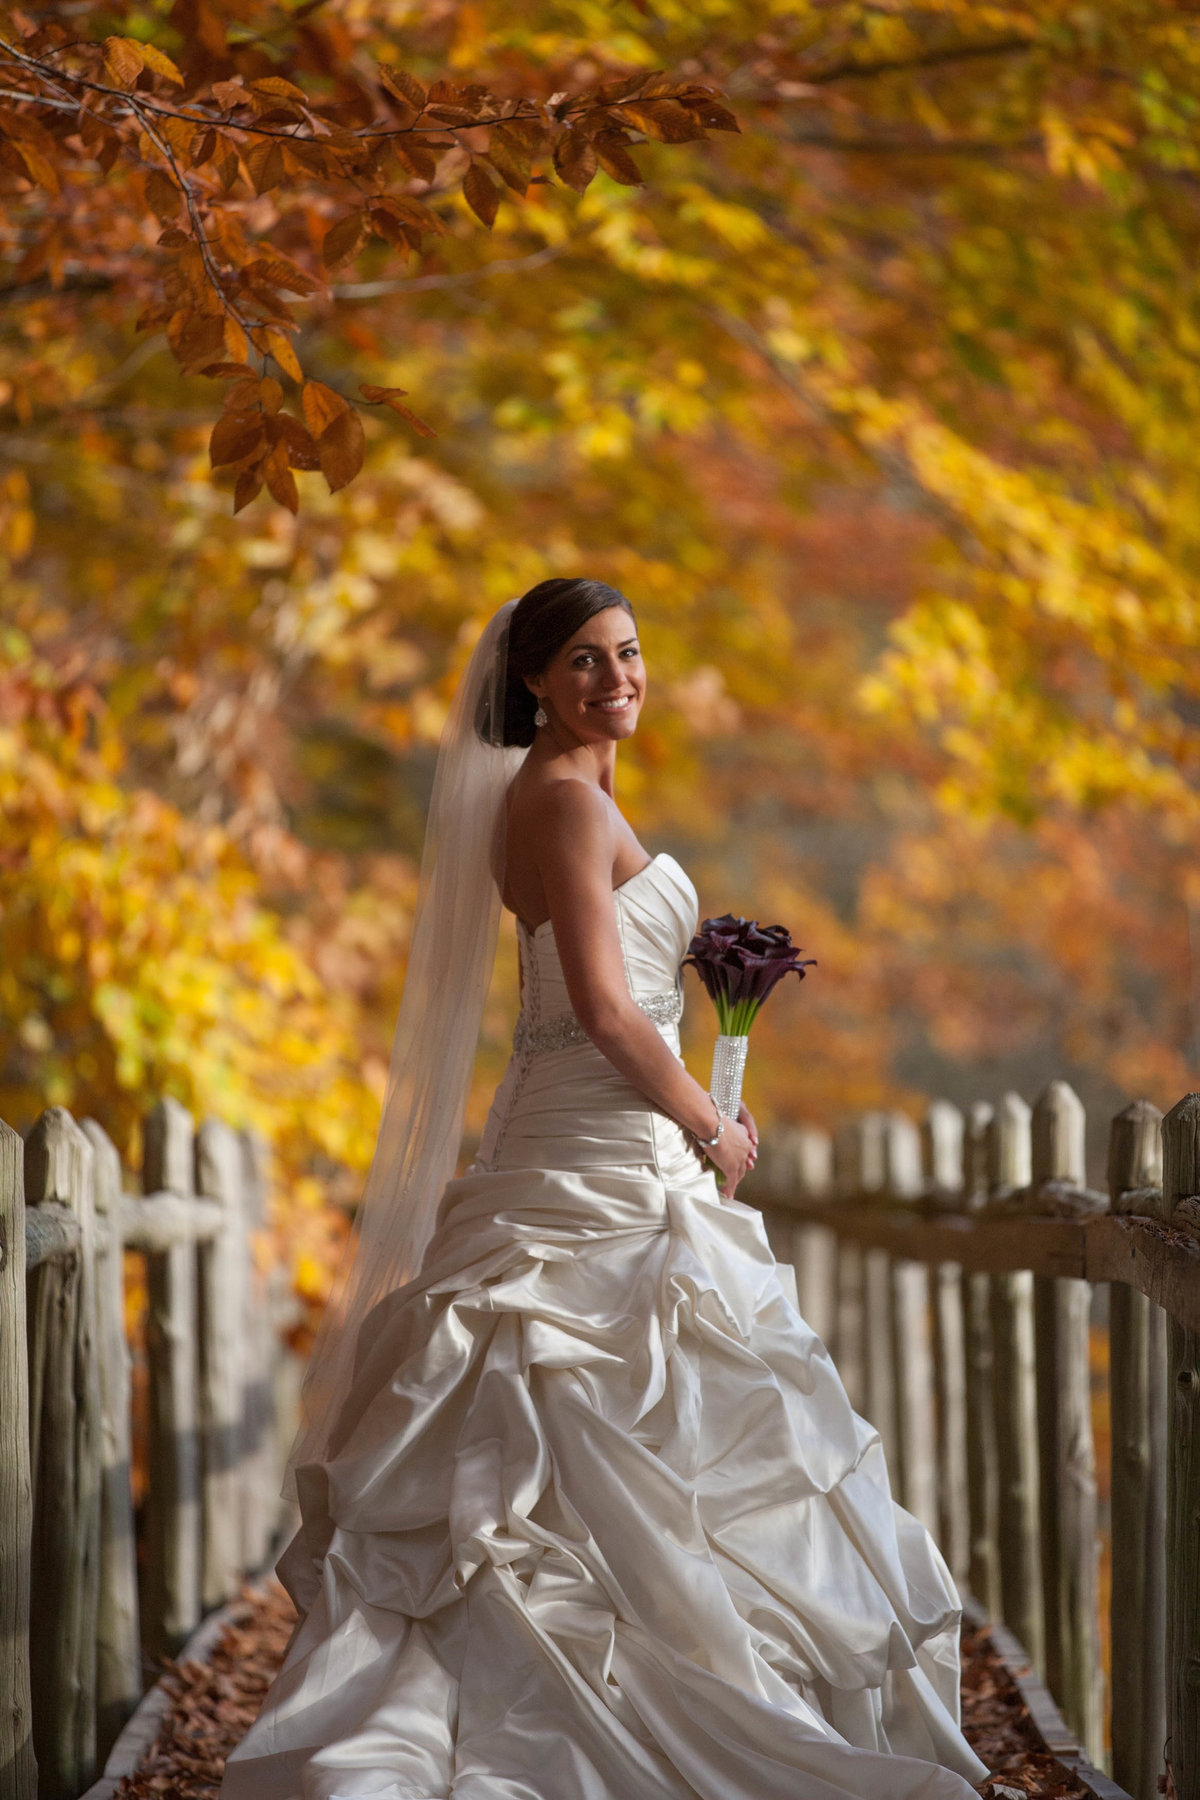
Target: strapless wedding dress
pixel 603 1525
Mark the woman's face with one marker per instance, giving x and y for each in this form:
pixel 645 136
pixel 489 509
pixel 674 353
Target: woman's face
pixel 595 684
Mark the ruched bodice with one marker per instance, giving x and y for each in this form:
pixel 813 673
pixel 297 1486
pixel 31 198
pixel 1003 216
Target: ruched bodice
pixel 601 1523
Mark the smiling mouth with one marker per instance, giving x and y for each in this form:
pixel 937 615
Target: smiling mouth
pixel 626 700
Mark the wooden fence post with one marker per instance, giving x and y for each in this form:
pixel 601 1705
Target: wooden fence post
pixel 911 1347
pixel 848 1348
pixel 803 1168
pixel 1181 1194
pixel 18 1766
pixel 262 1472
pixel 879 1387
pixel 1015 1397
pixel 118 1649
pixel 1138 1390
pixel 66 1530
pixel 983 1473
pixel 976 1152
pixel 171 1591
pixel 943 1136
pixel 1067 1460
pixel 224 1311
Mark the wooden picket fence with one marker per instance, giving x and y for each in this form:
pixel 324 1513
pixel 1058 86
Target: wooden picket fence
pixel 80 1634
pixel 951 1266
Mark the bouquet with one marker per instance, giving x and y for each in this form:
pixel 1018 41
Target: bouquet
pixel 740 962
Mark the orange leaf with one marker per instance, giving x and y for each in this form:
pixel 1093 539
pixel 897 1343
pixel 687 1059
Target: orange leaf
pixel 665 120
pixel 280 347
pixel 41 169
pixel 234 435
pixel 341 448
pixel 236 346
pixel 342 241
pixel 281 483
pixel 271 394
pixel 301 445
pixel 248 484
pixel 229 94
pixel 321 406
pixel 204 145
pixel 124 60
pixel 161 64
pixel 481 193
pixel 381 396
pixel 274 87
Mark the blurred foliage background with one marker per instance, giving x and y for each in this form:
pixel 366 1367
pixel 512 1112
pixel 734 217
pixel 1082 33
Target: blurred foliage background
pixel 882 413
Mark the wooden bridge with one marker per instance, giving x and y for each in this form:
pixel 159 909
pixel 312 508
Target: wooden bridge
pixel 958 1268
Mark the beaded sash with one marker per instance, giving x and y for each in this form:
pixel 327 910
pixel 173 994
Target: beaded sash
pixel 559 1033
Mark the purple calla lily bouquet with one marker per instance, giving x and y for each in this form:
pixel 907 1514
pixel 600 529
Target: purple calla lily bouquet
pixel 740 962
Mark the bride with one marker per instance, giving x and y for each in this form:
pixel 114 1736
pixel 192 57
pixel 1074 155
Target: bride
pixel 586 1512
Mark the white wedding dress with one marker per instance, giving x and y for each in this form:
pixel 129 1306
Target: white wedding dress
pixel 602 1524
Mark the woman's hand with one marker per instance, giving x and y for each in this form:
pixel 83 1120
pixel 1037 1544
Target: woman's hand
pixel 746 1118
pixel 733 1153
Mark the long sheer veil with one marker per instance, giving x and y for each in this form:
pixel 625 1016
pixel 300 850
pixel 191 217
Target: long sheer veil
pixel 450 964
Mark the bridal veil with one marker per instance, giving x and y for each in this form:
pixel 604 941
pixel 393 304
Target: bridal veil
pixel 452 950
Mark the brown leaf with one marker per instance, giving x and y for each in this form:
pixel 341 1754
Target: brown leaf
pixel 481 193
pixel 271 394
pixel 162 196
pixel 281 483
pixel 229 371
pixel 229 94
pixel 40 168
pixel 264 163
pixel 405 206
pixel 321 406
pixel 400 236
pixel 510 157
pixel 616 161
pixel 248 484
pixel 274 271
pixel 274 87
pixel 343 240
pixel 665 120
pixel 418 159
pixel 99 140
pixel 124 60
pixel 234 436
pixel 241 395
pixel 341 448
pixel 575 160
pixel 381 396
pixel 301 445
pixel 198 340
pixel 204 145
pixel 408 93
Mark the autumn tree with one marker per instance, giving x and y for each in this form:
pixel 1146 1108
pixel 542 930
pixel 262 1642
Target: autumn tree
pixel 879 409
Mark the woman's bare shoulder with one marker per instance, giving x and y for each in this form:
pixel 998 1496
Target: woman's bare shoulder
pixel 546 810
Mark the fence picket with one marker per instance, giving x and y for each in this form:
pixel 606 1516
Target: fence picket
pixel 1138 1391
pixel 66 1475
pixel 1181 1196
pixel 1067 1489
pixel 1015 1396
pixel 171 1593
pixel 118 1650
pixel 18 1765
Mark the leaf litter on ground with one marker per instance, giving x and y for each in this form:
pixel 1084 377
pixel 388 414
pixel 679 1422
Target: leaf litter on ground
pixel 213 1704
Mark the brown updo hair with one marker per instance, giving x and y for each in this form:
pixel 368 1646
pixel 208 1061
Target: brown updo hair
pixel 543 620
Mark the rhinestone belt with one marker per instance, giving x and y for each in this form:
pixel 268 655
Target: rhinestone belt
pixel 559 1033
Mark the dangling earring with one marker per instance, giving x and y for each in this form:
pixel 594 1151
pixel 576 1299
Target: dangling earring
pixel 541 717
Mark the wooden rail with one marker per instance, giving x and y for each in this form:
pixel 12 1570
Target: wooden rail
pixel 77 1637
pixel 952 1267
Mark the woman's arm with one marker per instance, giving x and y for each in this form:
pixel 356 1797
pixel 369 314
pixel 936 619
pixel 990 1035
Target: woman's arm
pixel 575 854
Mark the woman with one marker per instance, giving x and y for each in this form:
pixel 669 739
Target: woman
pixel 587 1514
